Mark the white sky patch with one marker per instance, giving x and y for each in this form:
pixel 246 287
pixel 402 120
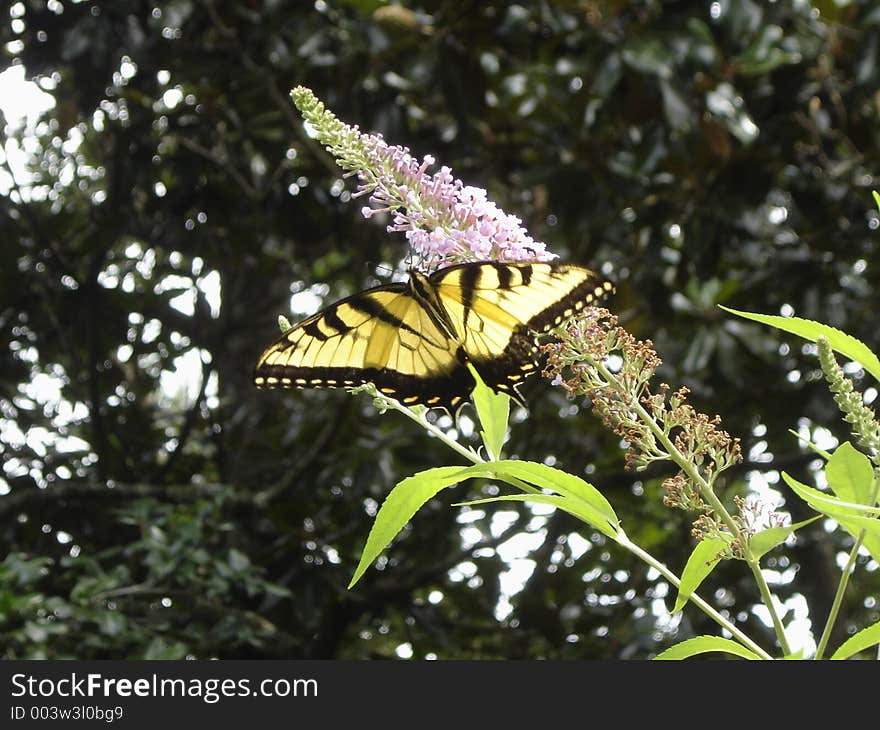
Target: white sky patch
pixel 185 302
pixel 210 286
pixel 515 552
pixel 578 545
pixel 469 515
pixel 185 380
pixel 171 98
pixel 501 520
pixel 22 102
pixel 760 484
pixel 470 536
pixel 305 302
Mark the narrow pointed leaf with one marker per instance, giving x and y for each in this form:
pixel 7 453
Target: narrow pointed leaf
pixel 824 454
pixel 704 645
pixel 824 502
pixel 852 517
pixel 702 560
pixel 864 639
pixel 493 410
pixel 850 474
pixel 843 343
pixel 398 508
pixel 556 480
pixel 577 508
pixel 764 541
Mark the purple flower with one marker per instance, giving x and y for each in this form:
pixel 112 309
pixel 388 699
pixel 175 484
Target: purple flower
pixel 443 220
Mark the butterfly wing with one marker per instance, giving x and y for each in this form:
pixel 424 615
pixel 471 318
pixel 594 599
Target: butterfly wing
pixel 384 336
pixel 496 307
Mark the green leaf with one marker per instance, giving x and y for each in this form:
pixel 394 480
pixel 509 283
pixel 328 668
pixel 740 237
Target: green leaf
pixel 825 503
pixel 675 107
pixel 854 525
pixel 764 541
pixel 847 514
pixel 400 505
pixel 765 53
pixel 704 645
pixel 493 410
pixel 841 342
pixel 649 56
pixel 556 480
pixel 876 198
pixel 575 507
pixel 864 639
pixel 702 560
pixel 850 474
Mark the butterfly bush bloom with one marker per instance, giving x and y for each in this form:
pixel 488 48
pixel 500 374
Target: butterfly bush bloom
pixel 657 425
pixel 444 220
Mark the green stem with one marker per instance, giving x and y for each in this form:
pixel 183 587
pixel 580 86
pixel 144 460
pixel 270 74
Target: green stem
pixel 844 579
pixel 709 495
pixel 838 596
pixel 767 597
pixel 468 454
pixel 624 542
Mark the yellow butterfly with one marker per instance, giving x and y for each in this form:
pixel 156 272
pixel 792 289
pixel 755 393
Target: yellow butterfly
pixel 413 339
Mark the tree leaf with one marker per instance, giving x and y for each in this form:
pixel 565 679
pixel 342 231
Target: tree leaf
pixel 577 508
pixel 702 560
pixel 850 474
pixel 845 344
pixel 398 508
pixel 649 56
pixel 764 541
pixel 860 641
pixel 704 645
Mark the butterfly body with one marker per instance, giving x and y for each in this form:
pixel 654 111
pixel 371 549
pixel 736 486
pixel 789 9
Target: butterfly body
pixel 414 339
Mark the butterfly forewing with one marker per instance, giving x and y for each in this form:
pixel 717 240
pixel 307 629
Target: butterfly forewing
pixel 382 336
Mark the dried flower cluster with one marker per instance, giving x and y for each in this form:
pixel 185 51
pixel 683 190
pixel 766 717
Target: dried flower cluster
pixel 443 220
pixel 607 364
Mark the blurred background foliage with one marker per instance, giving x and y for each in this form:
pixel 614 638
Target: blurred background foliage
pixel 155 504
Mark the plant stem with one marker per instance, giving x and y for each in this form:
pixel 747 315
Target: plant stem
pixel 709 495
pixel 767 597
pixel 625 542
pixel 838 596
pixel 468 454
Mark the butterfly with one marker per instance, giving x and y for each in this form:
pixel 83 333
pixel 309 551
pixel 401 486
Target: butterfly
pixel 413 340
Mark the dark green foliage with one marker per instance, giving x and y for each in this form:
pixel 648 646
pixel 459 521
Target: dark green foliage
pixel 707 160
